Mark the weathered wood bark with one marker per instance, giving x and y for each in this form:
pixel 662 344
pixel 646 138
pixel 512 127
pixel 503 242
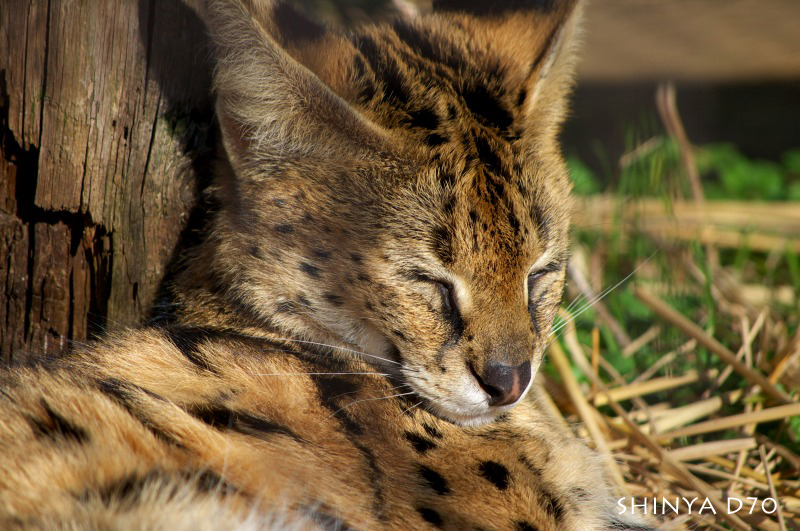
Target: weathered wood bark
pixel 104 118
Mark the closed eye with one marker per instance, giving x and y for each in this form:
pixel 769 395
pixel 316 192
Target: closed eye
pixel 447 294
pixel 538 274
pixel 448 298
pixel 555 265
pixel 450 307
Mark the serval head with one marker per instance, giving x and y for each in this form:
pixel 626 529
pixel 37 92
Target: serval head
pixel 399 190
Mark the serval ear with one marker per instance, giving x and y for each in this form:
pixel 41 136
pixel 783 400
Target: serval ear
pixel 535 41
pixel 277 77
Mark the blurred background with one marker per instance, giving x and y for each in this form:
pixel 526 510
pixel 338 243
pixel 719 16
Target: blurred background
pixel 736 66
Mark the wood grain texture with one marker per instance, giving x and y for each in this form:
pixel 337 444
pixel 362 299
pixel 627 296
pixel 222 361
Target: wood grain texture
pixel 105 118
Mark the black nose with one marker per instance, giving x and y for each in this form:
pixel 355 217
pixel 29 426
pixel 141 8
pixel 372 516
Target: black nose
pixel 503 383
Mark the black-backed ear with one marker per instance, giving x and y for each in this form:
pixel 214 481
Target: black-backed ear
pixel 536 41
pixel 278 80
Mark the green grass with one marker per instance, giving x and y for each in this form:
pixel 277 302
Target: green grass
pixel 726 175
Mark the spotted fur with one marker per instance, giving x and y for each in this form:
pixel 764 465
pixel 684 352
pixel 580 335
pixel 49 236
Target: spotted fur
pixel 354 338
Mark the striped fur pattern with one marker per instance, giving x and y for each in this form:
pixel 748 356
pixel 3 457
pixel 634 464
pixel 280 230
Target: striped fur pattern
pixel 393 224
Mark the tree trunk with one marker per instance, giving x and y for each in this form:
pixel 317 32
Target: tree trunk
pixel 104 119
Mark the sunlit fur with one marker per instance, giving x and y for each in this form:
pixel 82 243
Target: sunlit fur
pixel 423 150
pixel 311 375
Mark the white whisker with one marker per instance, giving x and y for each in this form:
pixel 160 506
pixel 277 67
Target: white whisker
pixel 344 349
pixel 368 400
pixel 406 410
pixel 590 303
pixel 317 373
pixel 602 295
pixel 574 301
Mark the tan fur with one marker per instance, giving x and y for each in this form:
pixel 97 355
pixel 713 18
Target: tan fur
pixel 313 374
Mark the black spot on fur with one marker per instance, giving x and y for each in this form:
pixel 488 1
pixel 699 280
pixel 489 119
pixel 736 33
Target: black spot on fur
pixel 442 244
pixel 432 431
pixel 495 473
pixel 254 251
pixel 487 156
pixel 188 340
pixel 447 179
pixel 540 220
pixel 435 139
pixel 449 205
pixel 434 480
pixel 421 444
pixel 386 69
pixel 496 189
pixel 322 254
pixel 309 269
pixel 375 477
pixel 399 334
pixel 552 505
pixel 414 38
pixel 363 277
pixel 303 300
pixel 124 394
pixel 496 434
pixel 423 118
pixel 536 471
pixel 284 228
pixel 452 111
pixel 524 526
pixel 438 51
pixel 357 258
pixel 210 481
pixel 430 516
pixel 331 389
pixel 580 494
pixel 487 108
pixel 366 88
pixel 286 307
pixel 127 490
pixel 513 221
pixel 223 418
pixel 521 96
pixel 55 427
pixel 334 299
